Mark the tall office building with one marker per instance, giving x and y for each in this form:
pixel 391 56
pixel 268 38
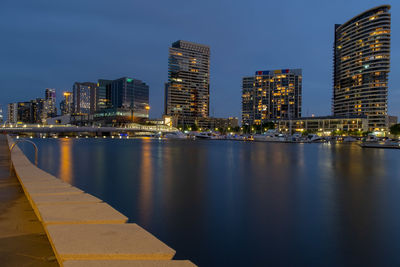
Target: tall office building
pixel 39 110
pixel 84 98
pixel 121 101
pixel 187 93
pixel 103 95
pixel 66 104
pixel 50 97
pixel 132 95
pixel 361 66
pixel 271 95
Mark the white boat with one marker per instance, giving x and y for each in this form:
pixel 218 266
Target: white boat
pixel 314 138
pixel 206 135
pixel 372 138
pixel 270 136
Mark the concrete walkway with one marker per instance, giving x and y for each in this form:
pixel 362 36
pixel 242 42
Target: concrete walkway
pixel 23 241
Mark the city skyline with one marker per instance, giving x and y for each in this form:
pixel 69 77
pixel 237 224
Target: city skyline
pixel 225 77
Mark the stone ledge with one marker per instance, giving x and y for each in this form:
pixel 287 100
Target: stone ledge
pixel 127 263
pixel 54 191
pixel 64 199
pixel 106 242
pixel 84 213
pixel 45 184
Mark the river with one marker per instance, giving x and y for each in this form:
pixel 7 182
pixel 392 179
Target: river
pixel 230 203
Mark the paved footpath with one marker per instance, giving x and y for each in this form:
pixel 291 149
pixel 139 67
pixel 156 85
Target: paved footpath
pixel 23 241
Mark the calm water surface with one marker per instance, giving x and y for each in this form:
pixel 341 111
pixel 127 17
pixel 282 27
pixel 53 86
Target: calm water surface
pixel 226 203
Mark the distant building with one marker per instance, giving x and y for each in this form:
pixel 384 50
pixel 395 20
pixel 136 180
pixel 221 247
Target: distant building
pixel 187 93
pixel 127 100
pixel 66 105
pixel 39 110
pixel 59 120
pixel 84 98
pixel 50 97
pixel 361 67
pixel 130 94
pixel 1 114
pixel 103 95
pixel 324 125
pixel 271 95
pixel 20 112
pixel 12 112
pixel 217 123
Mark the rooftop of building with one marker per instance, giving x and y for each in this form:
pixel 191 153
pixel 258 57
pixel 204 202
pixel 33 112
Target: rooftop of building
pixel 279 71
pixel 187 45
pixel 363 15
pixel 328 118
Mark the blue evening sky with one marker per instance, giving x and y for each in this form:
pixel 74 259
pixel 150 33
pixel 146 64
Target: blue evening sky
pixel 52 44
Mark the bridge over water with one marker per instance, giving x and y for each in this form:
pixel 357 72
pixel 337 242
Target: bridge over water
pixel 65 129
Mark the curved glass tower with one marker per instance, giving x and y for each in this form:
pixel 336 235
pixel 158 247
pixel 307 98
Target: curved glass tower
pixel 361 67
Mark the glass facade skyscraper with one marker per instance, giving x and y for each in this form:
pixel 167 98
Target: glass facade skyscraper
pixel 130 94
pixel 66 104
pixel 361 67
pixel 187 93
pixel 103 95
pixel 50 97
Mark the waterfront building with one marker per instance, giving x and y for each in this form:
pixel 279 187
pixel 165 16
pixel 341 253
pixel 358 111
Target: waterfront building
pixel 130 94
pixel 20 112
pixel 127 101
pixel 224 124
pixel 66 105
pixel 103 95
pixel 60 120
pixel 324 125
pixel 361 66
pixel 39 110
pixel 1 114
pixel 50 97
pixel 33 111
pixel 187 92
pixel 12 112
pixel 271 95
pixel 84 98
pixel 24 112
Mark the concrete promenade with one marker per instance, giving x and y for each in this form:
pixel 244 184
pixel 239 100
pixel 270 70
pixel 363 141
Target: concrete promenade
pixel 83 230
pixel 23 241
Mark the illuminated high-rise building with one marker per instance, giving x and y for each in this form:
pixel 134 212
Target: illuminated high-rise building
pixel 103 95
pixel 50 97
pixel 130 94
pixel 12 109
pixel 66 104
pixel 271 95
pixel 187 93
pixel 84 95
pixel 361 66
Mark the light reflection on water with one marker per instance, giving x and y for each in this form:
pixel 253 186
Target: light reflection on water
pixel 224 203
pixel 65 161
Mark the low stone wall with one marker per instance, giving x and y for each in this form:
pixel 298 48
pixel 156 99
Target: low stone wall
pixel 83 230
